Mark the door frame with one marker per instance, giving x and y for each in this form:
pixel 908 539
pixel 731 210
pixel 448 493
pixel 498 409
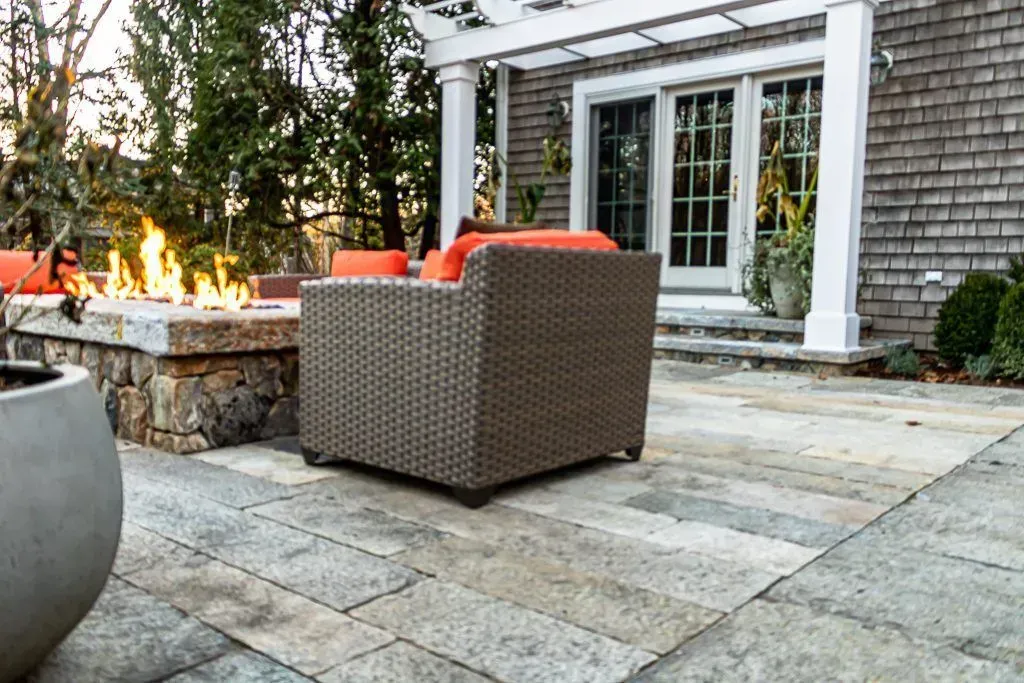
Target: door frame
pixel 715 278
pixel 742 67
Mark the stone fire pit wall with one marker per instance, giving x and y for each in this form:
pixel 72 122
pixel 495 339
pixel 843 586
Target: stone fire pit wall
pixel 172 377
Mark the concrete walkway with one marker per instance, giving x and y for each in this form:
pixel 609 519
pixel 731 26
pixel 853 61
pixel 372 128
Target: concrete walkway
pixel 779 528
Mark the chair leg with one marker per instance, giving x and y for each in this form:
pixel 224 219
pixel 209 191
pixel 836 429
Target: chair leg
pixel 473 498
pixel 310 456
pixel 635 452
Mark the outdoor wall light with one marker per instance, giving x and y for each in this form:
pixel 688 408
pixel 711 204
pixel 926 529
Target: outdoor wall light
pixel 558 111
pixel 881 65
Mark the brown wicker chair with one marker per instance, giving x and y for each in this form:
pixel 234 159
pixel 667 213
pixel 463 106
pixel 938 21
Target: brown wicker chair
pixel 537 359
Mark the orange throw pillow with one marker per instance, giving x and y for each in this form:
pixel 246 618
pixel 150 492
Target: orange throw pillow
pixel 456 255
pixel 14 264
pixel 432 265
pixel 353 263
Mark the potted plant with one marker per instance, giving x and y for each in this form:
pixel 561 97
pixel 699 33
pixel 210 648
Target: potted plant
pixel 777 279
pixel 60 478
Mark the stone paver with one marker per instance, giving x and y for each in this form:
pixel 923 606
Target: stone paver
pixel 502 640
pixel 142 549
pixel 616 609
pixel 368 530
pixel 400 663
pixel 767 641
pixel 774 555
pixel 200 478
pixel 778 527
pixel 265 462
pixel 239 666
pixel 615 519
pixel 130 636
pixel 973 606
pixel 319 569
pixel 758 521
pixel 298 632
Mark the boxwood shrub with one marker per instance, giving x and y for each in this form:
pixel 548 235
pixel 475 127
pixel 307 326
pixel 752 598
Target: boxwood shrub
pixel 967 321
pixel 1009 342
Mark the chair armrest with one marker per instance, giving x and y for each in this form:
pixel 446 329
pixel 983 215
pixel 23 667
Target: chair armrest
pixel 279 286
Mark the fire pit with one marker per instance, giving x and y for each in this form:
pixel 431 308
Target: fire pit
pixel 180 372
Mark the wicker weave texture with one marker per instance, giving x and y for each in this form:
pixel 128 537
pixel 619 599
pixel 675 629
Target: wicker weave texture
pixel 540 358
pixel 279 286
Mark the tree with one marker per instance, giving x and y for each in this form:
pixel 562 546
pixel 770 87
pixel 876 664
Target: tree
pixel 51 185
pixel 323 105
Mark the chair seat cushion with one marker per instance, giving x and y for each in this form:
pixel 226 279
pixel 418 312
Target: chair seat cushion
pixel 14 264
pixel 455 257
pixel 432 263
pixel 354 263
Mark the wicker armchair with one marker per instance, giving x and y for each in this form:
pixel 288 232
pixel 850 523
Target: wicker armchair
pixel 537 359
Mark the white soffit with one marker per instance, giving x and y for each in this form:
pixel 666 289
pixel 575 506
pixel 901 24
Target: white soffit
pixel 538 60
pixel 624 42
pixel 691 28
pixel 784 10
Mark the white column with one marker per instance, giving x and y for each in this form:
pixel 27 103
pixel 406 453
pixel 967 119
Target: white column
pixel 501 141
pixel 458 143
pixel 833 323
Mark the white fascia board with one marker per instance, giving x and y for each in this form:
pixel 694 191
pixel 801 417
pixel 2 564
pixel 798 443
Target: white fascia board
pixel 570 24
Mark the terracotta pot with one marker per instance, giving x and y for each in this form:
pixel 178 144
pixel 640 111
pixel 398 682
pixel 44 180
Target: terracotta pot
pixel 787 293
pixel 60 509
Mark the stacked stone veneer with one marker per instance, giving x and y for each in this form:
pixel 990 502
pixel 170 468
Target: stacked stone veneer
pixel 182 403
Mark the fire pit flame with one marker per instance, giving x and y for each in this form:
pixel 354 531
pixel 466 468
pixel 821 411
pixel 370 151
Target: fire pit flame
pixel 161 277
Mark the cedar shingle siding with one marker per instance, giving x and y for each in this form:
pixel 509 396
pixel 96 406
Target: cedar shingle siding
pixel 945 161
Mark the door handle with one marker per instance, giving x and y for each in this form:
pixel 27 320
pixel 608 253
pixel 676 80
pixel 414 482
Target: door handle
pixel 735 187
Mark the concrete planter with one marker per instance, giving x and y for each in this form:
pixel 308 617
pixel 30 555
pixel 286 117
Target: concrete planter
pixel 60 509
pixel 784 283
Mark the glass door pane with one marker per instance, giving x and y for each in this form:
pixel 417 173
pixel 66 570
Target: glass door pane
pixel 701 179
pixel 623 171
pixel 791 116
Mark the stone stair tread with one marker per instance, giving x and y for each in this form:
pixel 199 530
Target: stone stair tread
pixel 742 320
pixel 870 349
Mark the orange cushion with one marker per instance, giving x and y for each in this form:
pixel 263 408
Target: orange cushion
pixel 432 265
pixel 351 263
pixel 455 257
pixel 14 264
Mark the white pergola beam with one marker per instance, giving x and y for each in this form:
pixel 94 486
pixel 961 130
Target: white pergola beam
pixel 570 24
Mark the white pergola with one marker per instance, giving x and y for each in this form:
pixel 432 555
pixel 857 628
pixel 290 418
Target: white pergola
pixel 535 33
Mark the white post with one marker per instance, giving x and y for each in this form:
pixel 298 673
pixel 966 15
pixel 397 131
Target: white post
pixel 458 144
pixel 833 323
pixel 501 141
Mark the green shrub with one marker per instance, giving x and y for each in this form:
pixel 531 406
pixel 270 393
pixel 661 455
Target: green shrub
pixel 1009 344
pixel 967 321
pixel 1016 270
pixel 980 367
pixel 902 361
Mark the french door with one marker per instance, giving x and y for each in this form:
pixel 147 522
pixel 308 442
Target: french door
pixel 700 213
pixel 676 170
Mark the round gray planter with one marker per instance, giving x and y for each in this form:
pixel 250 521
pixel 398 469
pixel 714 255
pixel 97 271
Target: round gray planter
pixel 784 283
pixel 60 509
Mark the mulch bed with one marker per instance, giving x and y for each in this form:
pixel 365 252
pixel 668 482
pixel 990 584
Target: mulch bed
pixel 934 371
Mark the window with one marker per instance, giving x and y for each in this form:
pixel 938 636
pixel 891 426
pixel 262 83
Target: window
pixel 701 172
pixel 623 136
pixel 791 114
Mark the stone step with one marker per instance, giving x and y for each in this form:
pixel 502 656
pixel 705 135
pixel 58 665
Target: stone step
pixel 732 325
pixel 772 355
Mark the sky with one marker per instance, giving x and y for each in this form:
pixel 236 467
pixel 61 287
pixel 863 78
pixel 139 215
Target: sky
pixel 102 50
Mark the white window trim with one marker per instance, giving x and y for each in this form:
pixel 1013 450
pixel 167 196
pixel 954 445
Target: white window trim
pixel 652 82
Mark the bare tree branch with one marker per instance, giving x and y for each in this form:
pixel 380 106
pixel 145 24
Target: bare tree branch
pixel 42 40
pixel 87 38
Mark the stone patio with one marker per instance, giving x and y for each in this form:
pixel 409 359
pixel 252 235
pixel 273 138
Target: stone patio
pixel 779 527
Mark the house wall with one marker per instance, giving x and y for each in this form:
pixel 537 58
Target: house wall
pixel 945 160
